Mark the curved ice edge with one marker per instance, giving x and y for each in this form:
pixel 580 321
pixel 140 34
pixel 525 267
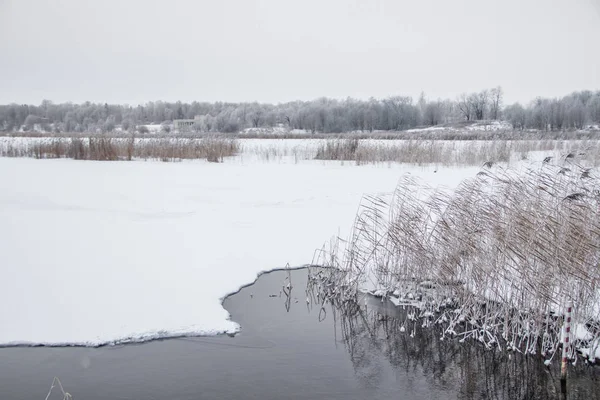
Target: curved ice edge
pixel 265 272
pixel 158 335
pixel 142 338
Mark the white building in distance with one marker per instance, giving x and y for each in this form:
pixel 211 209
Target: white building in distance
pixel 185 123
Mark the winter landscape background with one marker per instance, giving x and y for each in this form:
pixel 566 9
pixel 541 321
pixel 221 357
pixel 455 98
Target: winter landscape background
pixel 340 199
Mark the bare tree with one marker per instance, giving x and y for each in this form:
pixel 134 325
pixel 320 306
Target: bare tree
pixel 594 108
pixel 256 118
pixel 576 114
pixel 464 106
pixel 31 120
pixel 515 114
pixel 496 95
pixel 433 113
pixel 557 114
pixel 479 103
pixel 397 107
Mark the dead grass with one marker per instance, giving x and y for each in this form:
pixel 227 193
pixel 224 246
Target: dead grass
pixel 448 153
pixel 216 149
pixel 505 251
pixel 213 149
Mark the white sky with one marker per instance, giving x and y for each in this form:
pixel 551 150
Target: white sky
pixel 133 51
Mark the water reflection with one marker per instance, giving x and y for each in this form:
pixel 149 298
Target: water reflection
pixel 374 331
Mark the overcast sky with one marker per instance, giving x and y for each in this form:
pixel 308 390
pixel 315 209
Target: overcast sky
pixel 121 51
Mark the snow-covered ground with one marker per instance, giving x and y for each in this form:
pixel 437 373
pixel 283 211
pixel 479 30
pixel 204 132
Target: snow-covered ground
pixel 428 129
pixel 475 126
pixel 105 252
pixel 275 130
pixel 490 126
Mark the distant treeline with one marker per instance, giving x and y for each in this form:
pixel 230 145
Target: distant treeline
pixel 321 115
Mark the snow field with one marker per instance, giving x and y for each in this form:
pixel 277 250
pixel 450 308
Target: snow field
pixel 107 252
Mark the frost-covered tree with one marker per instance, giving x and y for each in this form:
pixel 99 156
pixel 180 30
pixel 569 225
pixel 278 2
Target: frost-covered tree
pixel 464 106
pixel 594 108
pixel 322 115
pixel 516 115
pixel 496 96
pixel 433 113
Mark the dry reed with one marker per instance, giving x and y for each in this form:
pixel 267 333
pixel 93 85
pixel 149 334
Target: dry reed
pixel 447 153
pixel 213 149
pixel 56 382
pixel 494 261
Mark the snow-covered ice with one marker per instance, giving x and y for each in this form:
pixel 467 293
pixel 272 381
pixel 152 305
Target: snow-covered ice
pixel 107 252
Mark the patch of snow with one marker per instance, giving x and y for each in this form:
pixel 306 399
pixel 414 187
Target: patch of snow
pixel 591 353
pixel 582 333
pixel 299 131
pixel 275 130
pixel 475 126
pixel 578 332
pixel 153 128
pixel 428 129
pixel 490 126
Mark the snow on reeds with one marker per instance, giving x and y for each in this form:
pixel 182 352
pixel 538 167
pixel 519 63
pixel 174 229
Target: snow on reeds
pixel 371 330
pixel 496 260
pixel 415 152
pixel 446 153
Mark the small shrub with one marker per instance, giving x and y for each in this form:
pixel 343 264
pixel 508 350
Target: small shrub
pixel 102 149
pixel 344 149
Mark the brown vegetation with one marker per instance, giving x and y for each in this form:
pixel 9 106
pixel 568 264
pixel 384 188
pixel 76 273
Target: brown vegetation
pixel 448 153
pixel 212 149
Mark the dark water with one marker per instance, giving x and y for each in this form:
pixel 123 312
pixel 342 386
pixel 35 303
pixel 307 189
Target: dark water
pixel 285 352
